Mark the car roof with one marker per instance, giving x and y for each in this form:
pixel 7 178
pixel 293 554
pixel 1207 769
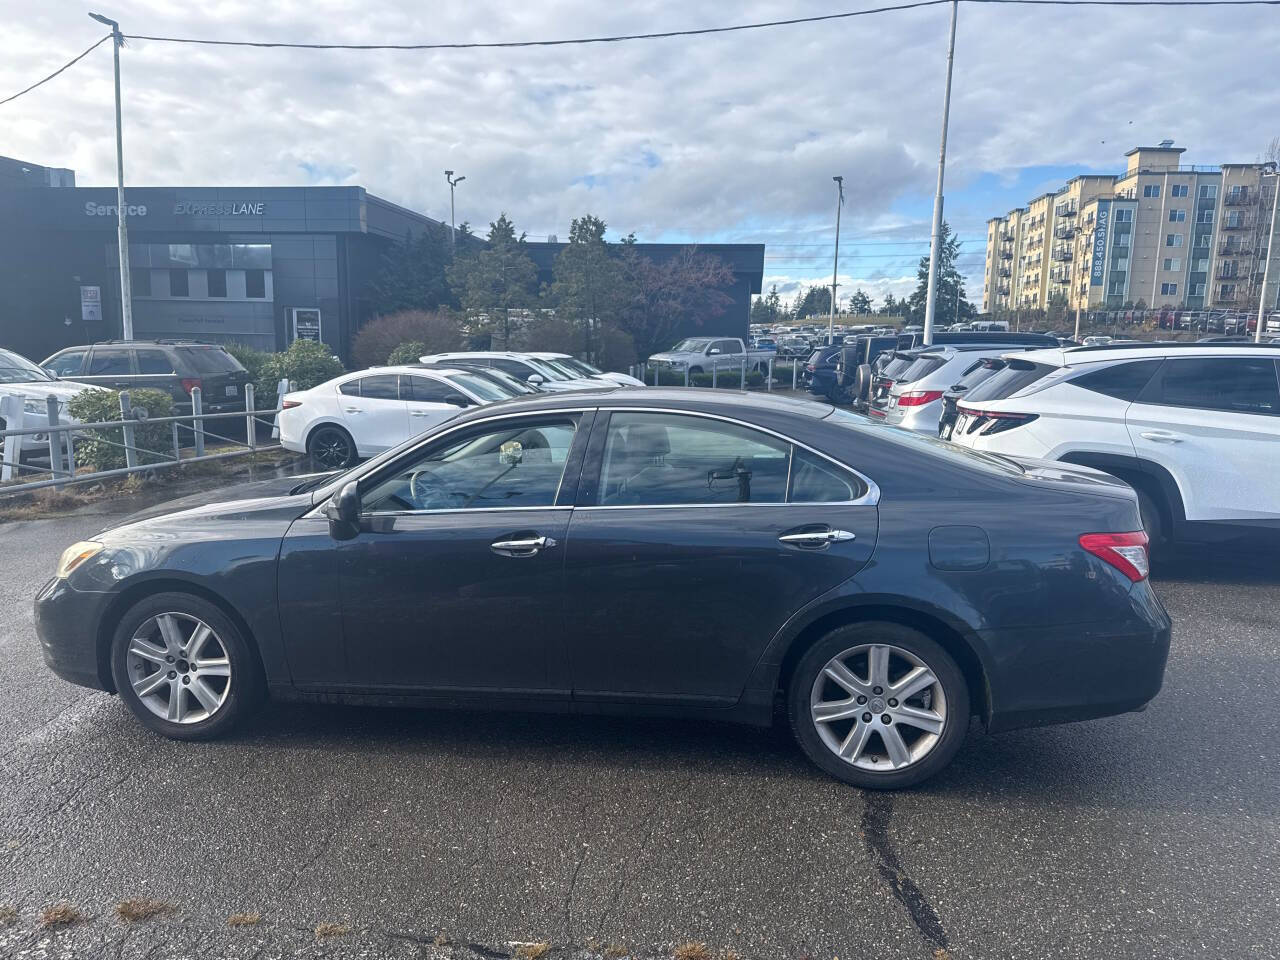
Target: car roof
pixel 671 399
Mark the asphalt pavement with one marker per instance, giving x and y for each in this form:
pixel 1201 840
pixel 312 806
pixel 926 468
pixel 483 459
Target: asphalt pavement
pixel 431 834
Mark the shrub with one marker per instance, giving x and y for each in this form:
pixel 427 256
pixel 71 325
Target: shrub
pixel 255 361
pixel 95 448
pixel 306 364
pixel 437 330
pixel 407 353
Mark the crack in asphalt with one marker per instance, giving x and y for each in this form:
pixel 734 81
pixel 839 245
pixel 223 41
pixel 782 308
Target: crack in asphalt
pixel 876 816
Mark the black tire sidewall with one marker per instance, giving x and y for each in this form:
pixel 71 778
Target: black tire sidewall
pixel 319 432
pixel 928 650
pixel 246 671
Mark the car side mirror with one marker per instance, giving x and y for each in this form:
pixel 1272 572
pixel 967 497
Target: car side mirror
pixel 458 400
pixel 535 379
pixel 343 512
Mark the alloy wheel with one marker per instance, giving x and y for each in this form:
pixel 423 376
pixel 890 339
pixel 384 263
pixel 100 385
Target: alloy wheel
pixel 331 448
pixel 179 668
pixel 878 707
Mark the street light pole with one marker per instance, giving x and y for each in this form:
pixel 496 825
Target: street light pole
pixel 122 231
pixel 935 241
pixel 835 266
pixel 453 231
pixel 1271 252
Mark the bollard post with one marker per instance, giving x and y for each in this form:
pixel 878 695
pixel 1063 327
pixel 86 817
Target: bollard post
pixel 177 445
pixel 55 438
pixel 197 408
pixel 71 452
pixel 686 374
pixel 793 373
pixel 250 426
pixel 11 417
pixel 768 384
pixel 714 368
pixel 126 414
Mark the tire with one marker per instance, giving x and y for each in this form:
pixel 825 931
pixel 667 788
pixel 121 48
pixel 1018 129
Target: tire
pixel 215 692
pixel 331 447
pixel 1152 520
pixel 693 370
pixel 927 752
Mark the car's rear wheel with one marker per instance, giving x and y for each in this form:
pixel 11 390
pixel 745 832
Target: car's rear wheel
pixel 878 705
pixel 184 668
pixel 331 447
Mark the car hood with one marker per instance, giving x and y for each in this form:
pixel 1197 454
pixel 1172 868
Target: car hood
pixel 39 389
pixel 668 355
pixel 259 498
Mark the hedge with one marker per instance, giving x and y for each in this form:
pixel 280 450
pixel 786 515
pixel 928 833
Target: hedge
pixel 95 448
pixel 306 363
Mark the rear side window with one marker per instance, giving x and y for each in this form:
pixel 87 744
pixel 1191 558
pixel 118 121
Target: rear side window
pixel 208 361
pixel 154 362
pixel 1231 384
pixel 1124 381
pixel 381 387
pixel 109 363
pixel 815 480
pixel 1014 376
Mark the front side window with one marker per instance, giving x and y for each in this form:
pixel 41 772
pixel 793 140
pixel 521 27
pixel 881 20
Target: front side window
pixel 670 459
pixel 517 464
pixel 425 389
pixel 1231 384
pixel 64 364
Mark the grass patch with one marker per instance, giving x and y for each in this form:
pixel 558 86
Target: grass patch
pixel 8 915
pixel 441 940
pixel 692 950
pixel 60 915
pixel 533 951
pixel 613 952
pixel 326 930
pixel 141 908
pixel 244 919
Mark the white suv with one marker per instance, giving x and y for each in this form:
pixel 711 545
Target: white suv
pixel 1194 427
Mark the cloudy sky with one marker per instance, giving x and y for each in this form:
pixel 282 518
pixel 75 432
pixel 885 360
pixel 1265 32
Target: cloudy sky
pixel 731 137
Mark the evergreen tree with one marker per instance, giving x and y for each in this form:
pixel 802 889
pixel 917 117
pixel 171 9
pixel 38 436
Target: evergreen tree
pixel 496 278
pixel 950 305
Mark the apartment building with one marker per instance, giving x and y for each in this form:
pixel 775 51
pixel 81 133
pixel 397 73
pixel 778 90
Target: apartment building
pixel 1160 234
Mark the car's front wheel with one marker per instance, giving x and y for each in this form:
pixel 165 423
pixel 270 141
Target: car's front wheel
pixel 878 705
pixel 183 667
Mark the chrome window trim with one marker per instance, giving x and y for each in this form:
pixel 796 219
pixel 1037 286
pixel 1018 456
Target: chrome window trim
pixel 870 498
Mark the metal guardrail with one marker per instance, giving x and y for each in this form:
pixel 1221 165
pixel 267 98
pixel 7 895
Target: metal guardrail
pixel 61 439
pixel 651 374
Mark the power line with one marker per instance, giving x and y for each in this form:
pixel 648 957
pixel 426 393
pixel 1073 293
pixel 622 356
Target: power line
pixel 70 63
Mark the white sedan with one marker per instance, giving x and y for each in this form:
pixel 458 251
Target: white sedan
pixel 525 367
pixel 21 378
pixel 361 414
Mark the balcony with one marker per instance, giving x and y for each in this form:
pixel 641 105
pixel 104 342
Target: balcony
pixel 1004 272
pixel 1226 296
pixel 1229 271
pixel 1006 236
pixel 1064 254
pixel 1238 198
pixel 1065 210
pixel 1234 247
pixel 1236 223
pixel 1002 291
pixel 1064 231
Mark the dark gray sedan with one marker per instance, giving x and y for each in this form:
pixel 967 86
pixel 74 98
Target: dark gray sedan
pixel 659 552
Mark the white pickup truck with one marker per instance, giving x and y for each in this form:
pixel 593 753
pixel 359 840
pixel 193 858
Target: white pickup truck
pixel 704 354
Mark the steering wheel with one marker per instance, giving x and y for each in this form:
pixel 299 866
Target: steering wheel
pixel 426 488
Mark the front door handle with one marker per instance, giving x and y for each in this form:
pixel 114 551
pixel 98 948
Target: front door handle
pixel 522 546
pixel 816 538
pixel 353 409
pixel 1160 436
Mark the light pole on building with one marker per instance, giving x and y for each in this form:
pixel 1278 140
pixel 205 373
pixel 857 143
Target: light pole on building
pixel 1271 252
pixel 453 231
pixel 126 287
pixel 935 241
pixel 835 266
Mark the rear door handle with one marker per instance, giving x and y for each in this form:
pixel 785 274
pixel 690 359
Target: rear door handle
pixel 816 538
pixel 353 409
pixel 1160 436
pixel 522 547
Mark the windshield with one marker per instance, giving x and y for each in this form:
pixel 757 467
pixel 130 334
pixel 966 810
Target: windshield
pixel 691 345
pixel 579 366
pixel 927 444
pixel 18 369
pixel 482 387
pixel 564 367
pixel 504 380
pixel 548 371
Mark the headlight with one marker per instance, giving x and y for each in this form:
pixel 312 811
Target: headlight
pixel 75 555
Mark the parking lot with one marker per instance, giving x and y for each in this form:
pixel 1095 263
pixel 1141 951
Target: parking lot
pixel 436 834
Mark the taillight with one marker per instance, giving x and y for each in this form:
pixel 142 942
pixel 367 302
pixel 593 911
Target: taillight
pixel 918 398
pixel 875 412
pixel 1127 552
pixel 988 422
pixel 290 404
pixel 809 367
pixel 190 383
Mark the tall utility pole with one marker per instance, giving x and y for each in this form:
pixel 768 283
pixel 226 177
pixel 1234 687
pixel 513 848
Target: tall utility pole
pixel 122 238
pixel 935 241
pixel 835 266
pixel 453 231
pixel 1271 253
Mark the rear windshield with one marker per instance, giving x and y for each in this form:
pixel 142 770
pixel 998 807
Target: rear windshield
pixel 899 363
pixel 983 371
pixel 920 367
pixel 1014 376
pixel 208 360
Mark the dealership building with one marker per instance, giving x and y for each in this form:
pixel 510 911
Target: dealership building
pixel 257 265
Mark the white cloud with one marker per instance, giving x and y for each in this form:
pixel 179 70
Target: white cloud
pixel 728 136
